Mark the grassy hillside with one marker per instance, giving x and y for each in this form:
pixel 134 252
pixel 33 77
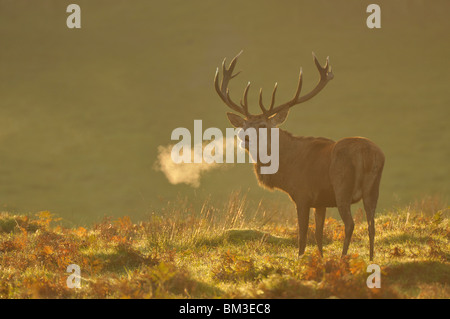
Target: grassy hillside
pixel 224 252
pixel 82 112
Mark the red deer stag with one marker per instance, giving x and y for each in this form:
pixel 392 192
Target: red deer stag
pixel 314 172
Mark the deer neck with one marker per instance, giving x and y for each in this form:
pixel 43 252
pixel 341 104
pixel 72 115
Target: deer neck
pixel 291 149
pixel 296 157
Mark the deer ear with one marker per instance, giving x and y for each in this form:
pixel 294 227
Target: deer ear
pixel 279 118
pixel 235 120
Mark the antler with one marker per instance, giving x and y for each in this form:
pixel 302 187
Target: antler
pixel 224 91
pixel 326 74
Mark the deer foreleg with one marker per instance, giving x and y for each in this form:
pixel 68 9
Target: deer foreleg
pixel 303 221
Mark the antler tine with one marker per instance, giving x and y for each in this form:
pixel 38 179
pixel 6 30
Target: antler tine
pixel 233 63
pixel 299 85
pixel 272 101
pixel 223 90
pixel 316 62
pixel 273 111
pixel 261 105
pixel 244 102
pixel 326 75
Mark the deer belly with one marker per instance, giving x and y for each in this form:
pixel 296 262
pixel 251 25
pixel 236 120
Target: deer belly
pixel 324 198
pixel 357 195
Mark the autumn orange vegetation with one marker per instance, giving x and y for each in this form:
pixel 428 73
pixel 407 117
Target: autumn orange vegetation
pixel 222 254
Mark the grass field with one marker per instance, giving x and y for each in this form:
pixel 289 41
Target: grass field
pixel 82 112
pixel 224 252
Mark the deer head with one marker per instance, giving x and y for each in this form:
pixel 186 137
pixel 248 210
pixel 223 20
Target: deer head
pixel 274 115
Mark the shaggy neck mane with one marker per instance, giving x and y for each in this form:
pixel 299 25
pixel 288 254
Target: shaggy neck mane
pixel 292 150
pixel 287 142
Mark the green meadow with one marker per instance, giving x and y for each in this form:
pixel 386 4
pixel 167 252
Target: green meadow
pixel 82 112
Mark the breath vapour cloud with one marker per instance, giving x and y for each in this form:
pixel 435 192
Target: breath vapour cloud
pixel 182 163
pixel 188 173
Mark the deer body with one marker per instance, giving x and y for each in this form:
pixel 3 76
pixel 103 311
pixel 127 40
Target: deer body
pixel 320 173
pixel 300 174
pixel 312 166
pixel 315 172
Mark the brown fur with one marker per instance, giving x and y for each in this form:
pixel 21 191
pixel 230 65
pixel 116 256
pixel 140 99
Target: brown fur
pixel 315 172
pixel 320 173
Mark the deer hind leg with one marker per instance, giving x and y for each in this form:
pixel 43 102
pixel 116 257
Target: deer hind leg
pixel 320 219
pixel 346 215
pixel 303 223
pixel 343 181
pixel 370 199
